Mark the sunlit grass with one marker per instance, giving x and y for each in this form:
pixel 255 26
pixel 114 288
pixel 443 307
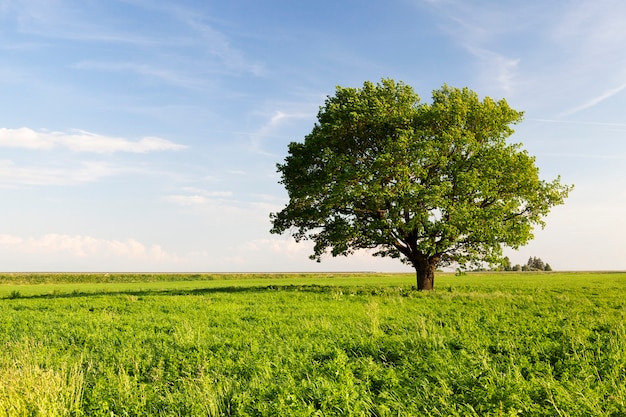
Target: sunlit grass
pixel 29 387
pixel 481 344
pixel 24 285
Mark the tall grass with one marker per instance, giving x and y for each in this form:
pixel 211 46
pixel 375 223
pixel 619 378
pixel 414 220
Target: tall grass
pixel 482 345
pixel 30 386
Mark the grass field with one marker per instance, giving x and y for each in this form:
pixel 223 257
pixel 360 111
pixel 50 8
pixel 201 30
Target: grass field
pixel 545 344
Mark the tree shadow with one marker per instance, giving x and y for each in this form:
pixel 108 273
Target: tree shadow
pixel 171 291
pixel 308 288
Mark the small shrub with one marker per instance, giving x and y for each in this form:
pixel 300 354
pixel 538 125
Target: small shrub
pixel 14 294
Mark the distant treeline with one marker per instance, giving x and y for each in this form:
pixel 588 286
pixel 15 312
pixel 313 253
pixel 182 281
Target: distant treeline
pixel 534 264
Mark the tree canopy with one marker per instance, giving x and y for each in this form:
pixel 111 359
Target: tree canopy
pixel 431 184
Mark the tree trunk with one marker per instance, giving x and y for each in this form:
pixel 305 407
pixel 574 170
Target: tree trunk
pixel 425 273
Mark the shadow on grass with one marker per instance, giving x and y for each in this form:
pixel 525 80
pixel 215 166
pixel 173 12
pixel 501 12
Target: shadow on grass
pixel 309 288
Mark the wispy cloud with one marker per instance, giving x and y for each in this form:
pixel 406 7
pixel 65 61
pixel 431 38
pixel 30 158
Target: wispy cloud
pixel 596 27
pixel 588 40
pixel 272 127
pixel 581 122
pixel 81 141
pixel 498 68
pixel 184 33
pixel 216 44
pixel 224 207
pixel 53 19
pixel 13 175
pixel 162 73
pixel 608 157
pixel 541 54
pixel 480 31
pixel 595 100
pixel 198 197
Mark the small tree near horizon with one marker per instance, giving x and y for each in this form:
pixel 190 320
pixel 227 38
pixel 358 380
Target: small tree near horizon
pixel 431 184
pixel 506 264
pixel 535 264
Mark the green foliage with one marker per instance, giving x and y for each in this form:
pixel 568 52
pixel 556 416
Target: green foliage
pixel 536 264
pixel 14 294
pixel 489 345
pixel 432 184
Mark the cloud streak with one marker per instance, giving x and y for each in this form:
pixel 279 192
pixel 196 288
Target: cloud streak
pixel 163 74
pixel 196 199
pixel 540 54
pixel 210 47
pixel 595 101
pixel 12 175
pixel 497 67
pixel 271 128
pixel 81 141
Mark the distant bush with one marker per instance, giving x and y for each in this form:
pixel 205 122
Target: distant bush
pixel 534 264
pixel 14 294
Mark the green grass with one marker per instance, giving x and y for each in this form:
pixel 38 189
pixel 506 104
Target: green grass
pixel 510 344
pixel 15 285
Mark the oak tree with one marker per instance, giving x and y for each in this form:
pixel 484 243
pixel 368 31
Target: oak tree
pixel 431 184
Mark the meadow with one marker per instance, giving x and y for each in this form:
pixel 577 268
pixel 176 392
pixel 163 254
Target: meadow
pixel 484 344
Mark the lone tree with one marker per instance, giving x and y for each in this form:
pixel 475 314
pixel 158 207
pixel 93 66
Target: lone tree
pixel 432 184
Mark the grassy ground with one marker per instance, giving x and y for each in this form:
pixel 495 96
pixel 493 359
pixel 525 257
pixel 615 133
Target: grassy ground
pixel 482 344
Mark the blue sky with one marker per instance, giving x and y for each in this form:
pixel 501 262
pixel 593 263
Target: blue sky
pixel 142 135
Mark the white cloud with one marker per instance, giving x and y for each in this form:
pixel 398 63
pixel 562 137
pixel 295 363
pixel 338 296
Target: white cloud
pixel 198 197
pixel 14 175
pixel 9 240
pixel 81 141
pixel 23 138
pixel 207 193
pixel 80 246
pixel 187 200
pixel 278 247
